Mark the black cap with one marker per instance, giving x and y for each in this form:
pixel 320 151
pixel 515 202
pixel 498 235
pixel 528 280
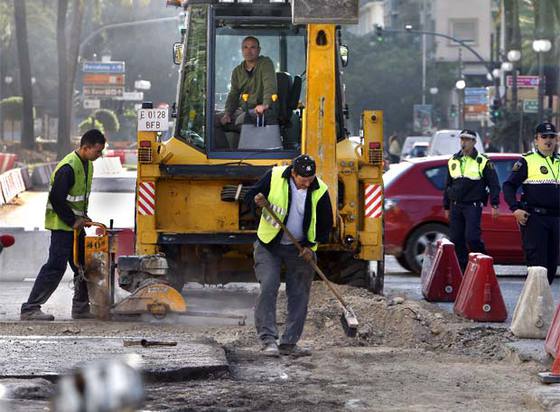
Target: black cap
pixel 546 128
pixel 304 165
pixel 469 134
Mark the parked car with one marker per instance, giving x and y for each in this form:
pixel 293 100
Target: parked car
pixel 446 142
pixel 409 143
pixel 414 212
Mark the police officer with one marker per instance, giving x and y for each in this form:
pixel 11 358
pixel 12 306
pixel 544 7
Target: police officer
pixel 66 211
pixel 301 200
pixel 469 177
pixel 538 211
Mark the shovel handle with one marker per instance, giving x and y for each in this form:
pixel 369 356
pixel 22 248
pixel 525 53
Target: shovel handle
pixel 300 248
pixel 75 254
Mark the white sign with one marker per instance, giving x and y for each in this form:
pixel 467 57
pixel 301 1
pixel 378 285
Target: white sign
pixel 132 96
pixel 142 84
pixel 92 103
pixel 153 120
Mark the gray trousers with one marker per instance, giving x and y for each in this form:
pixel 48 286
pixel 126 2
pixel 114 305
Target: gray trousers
pixel 299 276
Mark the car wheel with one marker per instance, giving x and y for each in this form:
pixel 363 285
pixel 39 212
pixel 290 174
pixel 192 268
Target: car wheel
pixel 403 262
pixel 418 241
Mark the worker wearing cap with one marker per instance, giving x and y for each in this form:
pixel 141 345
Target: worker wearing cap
pixel 301 200
pixel 470 175
pixel 66 211
pixel 538 210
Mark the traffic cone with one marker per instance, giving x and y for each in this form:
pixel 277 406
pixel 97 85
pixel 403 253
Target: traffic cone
pixel 552 341
pixel 554 375
pixel 533 313
pixel 479 297
pixel 444 277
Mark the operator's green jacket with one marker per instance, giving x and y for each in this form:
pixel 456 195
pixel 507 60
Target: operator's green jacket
pixel 317 216
pixel 259 84
pixel 77 197
pixel 469 178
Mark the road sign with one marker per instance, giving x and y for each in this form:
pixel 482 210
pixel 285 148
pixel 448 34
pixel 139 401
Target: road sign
pixel 103 79
pixel 476 108
pixel 103 67
pixel 142 85
pixel 524 82
pixel 530 106
pixel 153 120
pixel 132 96
pixel 100 91
pixel 476 95
pixel 92 103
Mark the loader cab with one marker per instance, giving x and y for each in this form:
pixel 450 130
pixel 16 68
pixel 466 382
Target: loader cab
pixel 211 50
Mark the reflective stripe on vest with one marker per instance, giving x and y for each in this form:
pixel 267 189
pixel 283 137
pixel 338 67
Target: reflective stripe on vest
pixel 467 167
pixel 77 198
pixel 278 199
pixel 542 170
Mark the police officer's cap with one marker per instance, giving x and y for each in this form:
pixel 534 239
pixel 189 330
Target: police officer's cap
pixel 468 134
pixel 546 128
pixel 304 165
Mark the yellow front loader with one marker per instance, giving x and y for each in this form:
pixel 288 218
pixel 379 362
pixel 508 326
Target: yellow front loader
pixel 190 186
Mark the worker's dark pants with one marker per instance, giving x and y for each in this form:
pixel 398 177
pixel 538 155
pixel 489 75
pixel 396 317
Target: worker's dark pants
pixel 50 275
pixel 299 276
pixel 465 233
pixel 541 242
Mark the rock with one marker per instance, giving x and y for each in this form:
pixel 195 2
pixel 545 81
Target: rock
pixel 397 300
pixel 28 388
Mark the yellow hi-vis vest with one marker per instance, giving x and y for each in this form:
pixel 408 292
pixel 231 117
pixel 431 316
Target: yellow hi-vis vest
pixel 467 167
pixel 542 170
pixel 78 195
pixel 278 199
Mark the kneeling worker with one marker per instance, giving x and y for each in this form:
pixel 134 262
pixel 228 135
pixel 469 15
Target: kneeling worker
pixel 70 187
pixel 301 200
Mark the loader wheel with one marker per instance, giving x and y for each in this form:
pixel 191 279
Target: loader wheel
pixel 343 268
pixel 175 276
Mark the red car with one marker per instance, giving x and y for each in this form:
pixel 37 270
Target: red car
pixel 414 212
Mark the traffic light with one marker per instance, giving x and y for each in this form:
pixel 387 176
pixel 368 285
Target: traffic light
pixel 379 32
pixel 495 110
pixel 453 111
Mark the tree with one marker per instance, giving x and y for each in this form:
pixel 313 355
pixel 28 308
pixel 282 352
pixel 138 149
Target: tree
pixel 68 43
pixel 20 19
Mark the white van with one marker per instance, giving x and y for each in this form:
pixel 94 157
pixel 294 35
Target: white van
pixel 447 142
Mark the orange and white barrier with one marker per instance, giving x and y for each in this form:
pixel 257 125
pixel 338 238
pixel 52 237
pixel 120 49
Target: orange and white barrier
pixel 11 184
pixel 7 161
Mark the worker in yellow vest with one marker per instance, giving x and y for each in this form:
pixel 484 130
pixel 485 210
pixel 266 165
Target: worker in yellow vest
pixel 538 210
pixel 67 206
pixel 301 200
pixel 470 177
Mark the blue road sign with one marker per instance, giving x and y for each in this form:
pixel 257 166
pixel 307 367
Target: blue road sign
pixel 476 95
pixel 103 67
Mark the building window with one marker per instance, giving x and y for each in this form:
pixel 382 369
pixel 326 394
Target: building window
pixel 465 30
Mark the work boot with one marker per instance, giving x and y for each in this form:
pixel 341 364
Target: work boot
pixel 270 349
pixel 36 315
pixel 293 350
pixel 83 315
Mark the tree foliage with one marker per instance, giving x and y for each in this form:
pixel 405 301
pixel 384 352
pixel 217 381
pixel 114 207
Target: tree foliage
pixel 108 119
pixel 90 123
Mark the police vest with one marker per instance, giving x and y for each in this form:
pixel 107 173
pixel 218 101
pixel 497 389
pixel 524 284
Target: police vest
pixel 278 199
pixel 78 195
pixel 542 170
pixel 467 167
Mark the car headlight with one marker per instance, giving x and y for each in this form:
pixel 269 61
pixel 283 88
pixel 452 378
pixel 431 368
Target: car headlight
pixel 390 204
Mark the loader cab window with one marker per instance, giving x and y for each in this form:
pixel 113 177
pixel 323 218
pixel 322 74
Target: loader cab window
pixel 247 135
pixel 191 116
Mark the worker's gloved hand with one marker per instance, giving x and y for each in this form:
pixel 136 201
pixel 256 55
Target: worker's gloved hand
pixel 261 108
pixel 79 223
pixel 307 255
pixel 260 200
pixel 521 216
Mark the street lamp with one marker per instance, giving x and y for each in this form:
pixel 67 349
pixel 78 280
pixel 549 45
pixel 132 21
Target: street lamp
pixel 541 46
pixel 514 56
pixel 460 86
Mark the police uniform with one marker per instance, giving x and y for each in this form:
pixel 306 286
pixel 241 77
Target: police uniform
pixel 307 213
pixel 465 194
pixel 539 178
pixel 70 185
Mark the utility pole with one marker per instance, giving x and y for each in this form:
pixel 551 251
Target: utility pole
pixel 423 24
